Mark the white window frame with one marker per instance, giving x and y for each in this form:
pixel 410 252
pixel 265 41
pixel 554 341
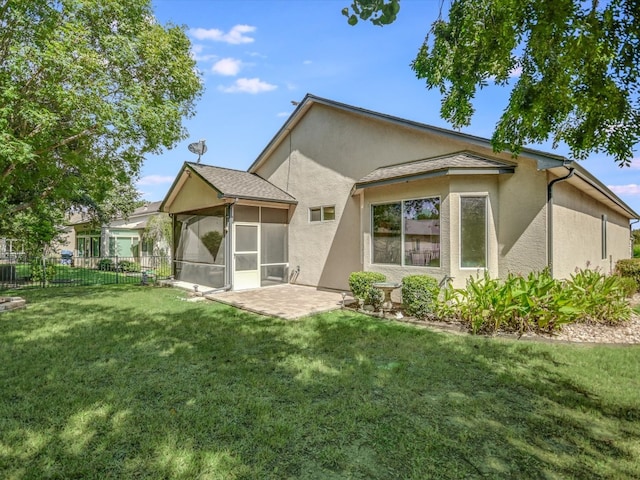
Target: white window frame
pixel 402 241
pixel 486 230
pixel 322 214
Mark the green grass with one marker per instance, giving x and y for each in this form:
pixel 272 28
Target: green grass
pixel 135 382
pixel 66 275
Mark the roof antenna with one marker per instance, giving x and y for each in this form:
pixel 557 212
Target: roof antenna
pixel 198 148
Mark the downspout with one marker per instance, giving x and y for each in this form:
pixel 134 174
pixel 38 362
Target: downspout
pixel 550 217
pixel 631 224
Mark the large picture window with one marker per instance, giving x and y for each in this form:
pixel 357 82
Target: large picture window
pixel 473 232
pixel 407 232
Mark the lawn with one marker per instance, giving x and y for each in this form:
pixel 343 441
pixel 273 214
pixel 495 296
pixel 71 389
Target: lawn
pixel 137 382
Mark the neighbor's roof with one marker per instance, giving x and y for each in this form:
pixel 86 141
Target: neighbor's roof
pixel 457 163
pixel 240 184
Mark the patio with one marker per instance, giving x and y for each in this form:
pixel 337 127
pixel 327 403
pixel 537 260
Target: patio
pixel 285 301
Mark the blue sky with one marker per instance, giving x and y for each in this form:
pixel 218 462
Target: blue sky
pixel 257 56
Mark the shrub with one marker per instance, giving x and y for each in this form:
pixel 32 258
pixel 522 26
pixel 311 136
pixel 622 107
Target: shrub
pixel 536 302
pixel 361 284
pixel 598 297
pixel 419 295
pixel 105 264
pixel 128 266
pixel 630 268
pixel 40 272
pixel 628 286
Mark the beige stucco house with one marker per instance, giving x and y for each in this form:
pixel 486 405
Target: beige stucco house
pixel 341 189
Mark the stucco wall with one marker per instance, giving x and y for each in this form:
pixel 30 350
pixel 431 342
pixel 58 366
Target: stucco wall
pixel 328 151
pixel 577 232
pixel 320 253
pixel 194 195
pixel 522 220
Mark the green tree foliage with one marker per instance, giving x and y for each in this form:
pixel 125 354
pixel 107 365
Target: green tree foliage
pixel 575 64
pixel 87 89
pixel 158 231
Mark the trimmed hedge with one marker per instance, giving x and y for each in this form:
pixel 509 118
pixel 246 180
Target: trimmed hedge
pixel 361 284
pixel 629 268
pixel 419 295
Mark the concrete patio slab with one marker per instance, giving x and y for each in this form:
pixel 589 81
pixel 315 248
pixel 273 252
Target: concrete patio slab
pixel 284 301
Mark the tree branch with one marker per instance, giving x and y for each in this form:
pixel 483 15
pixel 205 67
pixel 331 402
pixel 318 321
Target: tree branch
pixel 7 171
pixel 67 140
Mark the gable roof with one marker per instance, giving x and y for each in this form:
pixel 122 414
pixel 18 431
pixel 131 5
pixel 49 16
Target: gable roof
pixel 232 184
pixel 457 163
pixel 544 160
pixel 556 164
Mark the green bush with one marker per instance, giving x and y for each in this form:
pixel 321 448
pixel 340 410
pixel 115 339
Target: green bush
pixel 128 266
pixel 40 273
pixel 628 286
pixel 419 295
pixel 636 251
pixel 630 268
pixel 361 284
pixel 106 264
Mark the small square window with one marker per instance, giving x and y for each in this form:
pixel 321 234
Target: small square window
pixel 315 214
pixel 329 213
pixel 322 214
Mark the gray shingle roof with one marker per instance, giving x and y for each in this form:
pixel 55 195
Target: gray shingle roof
pixel 435 166
pixel 239 184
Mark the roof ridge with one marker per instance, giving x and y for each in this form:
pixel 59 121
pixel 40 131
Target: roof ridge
pixel 469 153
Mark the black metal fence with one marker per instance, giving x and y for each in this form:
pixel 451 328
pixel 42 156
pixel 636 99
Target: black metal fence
pixel 20 271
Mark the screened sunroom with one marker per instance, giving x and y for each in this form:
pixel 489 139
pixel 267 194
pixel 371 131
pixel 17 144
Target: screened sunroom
pixel 230 228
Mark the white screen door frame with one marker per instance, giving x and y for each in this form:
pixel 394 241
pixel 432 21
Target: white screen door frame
pixel 246 255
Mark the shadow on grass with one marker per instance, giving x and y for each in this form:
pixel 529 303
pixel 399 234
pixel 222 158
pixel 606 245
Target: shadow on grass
pixel 138 382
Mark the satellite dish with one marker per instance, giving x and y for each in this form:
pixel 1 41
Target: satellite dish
pixel 199 148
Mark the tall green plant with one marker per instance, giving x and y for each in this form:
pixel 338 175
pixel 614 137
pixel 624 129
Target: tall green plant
pixel 536 302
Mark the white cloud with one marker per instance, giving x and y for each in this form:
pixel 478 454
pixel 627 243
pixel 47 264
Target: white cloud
pixel 248 85
pixel 515 72
pixel 635 163
pixel 155 180
pixel 235 36
pixel 227 67
pixel 283 114
pixel 307 62
pixel 631 189
pixel 198 55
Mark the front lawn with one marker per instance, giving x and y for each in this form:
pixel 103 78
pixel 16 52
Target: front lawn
pixel 135 382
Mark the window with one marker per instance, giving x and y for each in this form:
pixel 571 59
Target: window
pixel 422 232
pixel 408 230
pixel 88 246
pixel 603 235
pixel 322 214
pixel 473 232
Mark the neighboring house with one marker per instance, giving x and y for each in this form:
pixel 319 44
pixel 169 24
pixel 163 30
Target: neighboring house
pixel 10 248
pixel 341 189
pixel 123 237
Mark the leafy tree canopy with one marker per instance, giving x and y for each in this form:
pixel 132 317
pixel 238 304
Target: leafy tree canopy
pixel 87 88
pixel 576 67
